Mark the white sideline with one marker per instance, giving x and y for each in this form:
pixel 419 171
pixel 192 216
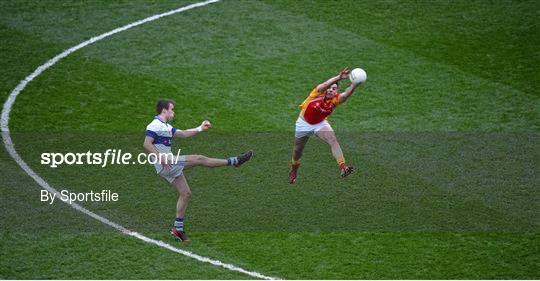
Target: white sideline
pixel 8 143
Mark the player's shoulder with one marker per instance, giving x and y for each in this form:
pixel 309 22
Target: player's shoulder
pixel 315 93
pixel 156 125
pixel 335 99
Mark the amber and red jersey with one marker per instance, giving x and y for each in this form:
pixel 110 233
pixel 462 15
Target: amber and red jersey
pixel 316 108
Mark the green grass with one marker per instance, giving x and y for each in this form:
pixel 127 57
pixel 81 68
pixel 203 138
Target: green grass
pixel 444 135
pixel 382 255
pixel 491 40
pixel 97 256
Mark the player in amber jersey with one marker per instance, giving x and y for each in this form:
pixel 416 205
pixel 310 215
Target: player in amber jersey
pixel 315 109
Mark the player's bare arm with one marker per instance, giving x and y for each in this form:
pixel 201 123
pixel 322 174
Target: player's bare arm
pixel 149 146
pixel 344 73
pixel 205 125
pixel 348 92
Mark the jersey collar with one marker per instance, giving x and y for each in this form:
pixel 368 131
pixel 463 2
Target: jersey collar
pixel 157 117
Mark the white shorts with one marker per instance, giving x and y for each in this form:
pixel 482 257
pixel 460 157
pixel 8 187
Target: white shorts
pixel 303 128
pixel 175 171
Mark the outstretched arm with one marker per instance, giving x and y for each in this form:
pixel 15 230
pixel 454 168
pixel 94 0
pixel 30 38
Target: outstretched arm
pixel 344 73
pixel 205 125
pixel 350 90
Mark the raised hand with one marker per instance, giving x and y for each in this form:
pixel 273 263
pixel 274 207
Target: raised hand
pixel 205 125
pixel 344 73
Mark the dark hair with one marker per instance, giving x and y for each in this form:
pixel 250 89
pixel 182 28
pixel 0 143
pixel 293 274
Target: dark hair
pixel 163 104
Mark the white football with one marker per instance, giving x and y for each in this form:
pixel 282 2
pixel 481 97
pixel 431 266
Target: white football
pixel 357 76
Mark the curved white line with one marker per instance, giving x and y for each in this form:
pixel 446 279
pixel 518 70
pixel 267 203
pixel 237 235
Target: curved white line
pixel 8 143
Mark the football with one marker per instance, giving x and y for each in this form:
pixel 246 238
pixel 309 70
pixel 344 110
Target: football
pixel 357 76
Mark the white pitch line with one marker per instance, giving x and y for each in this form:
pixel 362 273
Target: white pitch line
pixel 8 143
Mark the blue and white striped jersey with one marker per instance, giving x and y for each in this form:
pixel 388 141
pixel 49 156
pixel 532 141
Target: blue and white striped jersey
pixel 162 133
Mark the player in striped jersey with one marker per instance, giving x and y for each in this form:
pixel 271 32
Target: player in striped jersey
pixel 315 109
pixel 159 134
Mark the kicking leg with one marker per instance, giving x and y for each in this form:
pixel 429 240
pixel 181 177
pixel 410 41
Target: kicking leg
pixel 201 160
pixel 327 134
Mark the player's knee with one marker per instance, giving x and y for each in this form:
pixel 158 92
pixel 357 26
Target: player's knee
pixel 186 194
pixel 199 159
pixel 203 159
pixel 332 140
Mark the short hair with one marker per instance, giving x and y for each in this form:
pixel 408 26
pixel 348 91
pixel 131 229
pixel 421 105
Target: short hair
pixel 164 104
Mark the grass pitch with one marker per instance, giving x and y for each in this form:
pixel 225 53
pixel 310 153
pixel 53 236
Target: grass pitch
pixel 444 135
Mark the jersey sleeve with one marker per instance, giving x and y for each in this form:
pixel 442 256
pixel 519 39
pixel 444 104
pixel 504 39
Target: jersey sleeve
pixel 151 131
pixel 335 100
pixel 174 130
pixel 314 93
